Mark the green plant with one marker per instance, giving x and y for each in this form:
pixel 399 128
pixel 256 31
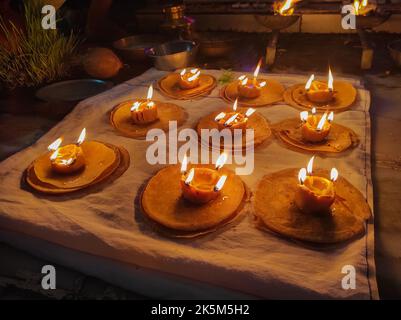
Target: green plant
pixel 226 77
pixel 34 56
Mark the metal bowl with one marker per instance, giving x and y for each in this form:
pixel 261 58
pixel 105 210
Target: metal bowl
pixel 276 22
pixel 371 21
pixel 217 44
pixel 173 55
pixel 133 48
pixel 395 51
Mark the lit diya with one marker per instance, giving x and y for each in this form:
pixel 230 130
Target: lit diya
pixel 336 95
pixel 188 200
pixel 315 194
pixel 319 208
pixel 250 89
pixel 316 133
pixel 134 118
pixel 76 166
pixel 284 8
pixel 188 83
pixel 235 120
pixel 201 185
pixel 362 8
pixel 253 92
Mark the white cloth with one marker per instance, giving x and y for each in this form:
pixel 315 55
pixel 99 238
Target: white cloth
pixel 241 258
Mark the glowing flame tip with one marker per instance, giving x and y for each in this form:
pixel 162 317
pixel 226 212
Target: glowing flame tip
pixel 333 174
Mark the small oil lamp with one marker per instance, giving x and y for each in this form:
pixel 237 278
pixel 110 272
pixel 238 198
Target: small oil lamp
pixel 189 80
pixel 67 159
pixel 284 8
pixel 202 185
pixel 318 91
pixel 315 194
pixel 250 89
pixel 315 128
pixel 233 120
pixel 144 112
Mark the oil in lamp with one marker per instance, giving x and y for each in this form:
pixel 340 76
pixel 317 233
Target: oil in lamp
pixel 250 89
pixel 318 91
pixel 201 185
pixel 189 80
pixel 233 120
pixel 315 194
pixel 315 128
pixel 67 159
pixel 144 112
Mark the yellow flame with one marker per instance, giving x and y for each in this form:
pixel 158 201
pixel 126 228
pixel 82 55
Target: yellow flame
pixel 330 117
pixel 330 80
pixel 82 136
pixel 313 110
pixel 244 81
pixel 220 116
pixel 309 167
pixel 249 112
pixel 184 164
pixel 183 72
pixel 302 175
pixel 304 115
pixel 195 76
pixel 309 82
pixel 333 174
pixel 190 176
pixel 322 122
pixel 231 119
pixel 55 144
pixel 256 72
pixel 221 160
pixel 286 6
pixel 364 3
pixel 135 106
pixel 235 105
pixel 54 155
pixel 150 104
pixel 242 77
pixel 262 84
pixel 220 183
pixel 150 92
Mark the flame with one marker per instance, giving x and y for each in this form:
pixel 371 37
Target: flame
pixel 82 136
pixel 235 105
pixel 195 76
pixel 231 119
pixel 190 176
pixel 220 183
pixel 302 175
pixel 55 144
pixel 330 117
pixel 287 5
pixel 330 80
pixel 262 84
pixel 304 115
pixel 221 160
pixel 150 104
pixel 135 106
pixel 309 167
pixel 322 122
pixel 220 116
pixel 242 77
pixel 150 93
pixel 309 82
pixel 257 69
pixel 244 81
pixel 54 155
pixel 184 164
pixel 313 110
pixel 364 3
pixel 183 72
pixel 67 162
pixel 249 112
pixel 358 6
pixel 333 174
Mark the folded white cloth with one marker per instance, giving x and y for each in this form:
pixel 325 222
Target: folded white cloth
pixel 241 258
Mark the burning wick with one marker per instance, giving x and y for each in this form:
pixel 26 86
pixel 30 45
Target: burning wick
pixel 144 112
pixel 318 91
pixel 250 90
pixel 202 184
pixel 315 194
pixel 233 120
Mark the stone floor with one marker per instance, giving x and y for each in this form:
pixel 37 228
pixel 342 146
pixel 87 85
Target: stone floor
pixel 24 119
